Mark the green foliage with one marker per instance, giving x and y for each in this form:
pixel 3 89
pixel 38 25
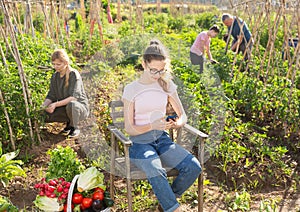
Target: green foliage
pixel 206 20
pixel 6 205
pixel 241 202
pixel 156 23
pixel 125 29
pixel 268 205
pixel 34 53
pixel 63 163
pixel 38 23
pixel 268 30
pixel 260 107
pixel 1 18
pixel 176 23
pixel 10 168
pixel 78 23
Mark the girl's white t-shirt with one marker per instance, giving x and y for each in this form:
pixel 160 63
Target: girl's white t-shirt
pixel 150 100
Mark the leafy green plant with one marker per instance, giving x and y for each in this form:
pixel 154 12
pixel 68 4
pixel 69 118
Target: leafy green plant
pixel 38 23
pixel 267 205
pixel 176 23
pixel 6 205
pixel 206 20
pixel 9 168
pixel 241 202
pixel 63 163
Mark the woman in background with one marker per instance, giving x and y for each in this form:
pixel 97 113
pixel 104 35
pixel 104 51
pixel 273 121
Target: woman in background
pixel 66 100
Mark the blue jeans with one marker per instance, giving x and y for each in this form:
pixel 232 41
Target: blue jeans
pixel 152 149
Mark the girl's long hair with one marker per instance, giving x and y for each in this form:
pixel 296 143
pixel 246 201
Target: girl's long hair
pixel 62 55
pixel 156 51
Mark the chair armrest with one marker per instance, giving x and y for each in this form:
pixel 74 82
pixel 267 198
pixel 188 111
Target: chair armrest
pixel 195 131
pixel 120 135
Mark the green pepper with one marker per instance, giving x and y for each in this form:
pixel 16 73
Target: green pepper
pixel 106 194
pixel 108 202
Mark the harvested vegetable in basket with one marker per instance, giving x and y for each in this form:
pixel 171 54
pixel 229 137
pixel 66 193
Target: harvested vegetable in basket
pixel 47 204
pixel 89 179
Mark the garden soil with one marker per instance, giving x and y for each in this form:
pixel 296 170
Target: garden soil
pixel 22 193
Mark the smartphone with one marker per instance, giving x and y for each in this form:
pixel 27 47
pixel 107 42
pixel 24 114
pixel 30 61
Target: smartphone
pixel 171 117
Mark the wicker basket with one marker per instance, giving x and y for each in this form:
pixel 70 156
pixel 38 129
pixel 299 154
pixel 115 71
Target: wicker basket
pixel 70 193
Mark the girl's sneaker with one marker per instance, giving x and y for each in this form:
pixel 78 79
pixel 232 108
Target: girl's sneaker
pixel 67 129
pixel 74 133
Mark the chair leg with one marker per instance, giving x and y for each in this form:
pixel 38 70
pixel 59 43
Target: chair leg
pixel 112 165
pixel 129 195
pixel 200 192
pixel 111 181
pixel 128 177
pixel 200 178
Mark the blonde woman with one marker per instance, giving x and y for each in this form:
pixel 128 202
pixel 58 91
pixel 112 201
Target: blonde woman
pixel 66 100
pixel 145 101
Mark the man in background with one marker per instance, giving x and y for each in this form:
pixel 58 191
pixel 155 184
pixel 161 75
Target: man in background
pixel 238 29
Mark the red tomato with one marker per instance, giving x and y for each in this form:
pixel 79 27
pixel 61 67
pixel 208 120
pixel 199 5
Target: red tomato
pixel 77 198
pixel 99 189
pixel 98 195
pixel 87 202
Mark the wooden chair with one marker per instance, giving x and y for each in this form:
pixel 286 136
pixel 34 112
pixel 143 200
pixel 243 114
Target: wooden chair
pixel 120 162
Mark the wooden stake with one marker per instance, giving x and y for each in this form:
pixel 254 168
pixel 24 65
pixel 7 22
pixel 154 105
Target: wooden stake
pixel 82 11
pixel 18 16
pixel 46 22
pixel 130 11
pixel 11 134
pixel 119 17
pixel 158 8
pixel 6 41
pixel 28 13
pixel 20 66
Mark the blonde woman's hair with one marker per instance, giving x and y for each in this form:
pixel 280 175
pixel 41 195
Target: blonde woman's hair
pixel 156 51
pixel 62 55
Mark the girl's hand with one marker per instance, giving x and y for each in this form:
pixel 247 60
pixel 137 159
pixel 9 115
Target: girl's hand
pixel 173 124
pixel 50 108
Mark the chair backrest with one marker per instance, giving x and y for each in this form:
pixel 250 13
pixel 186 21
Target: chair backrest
pixel 117 113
